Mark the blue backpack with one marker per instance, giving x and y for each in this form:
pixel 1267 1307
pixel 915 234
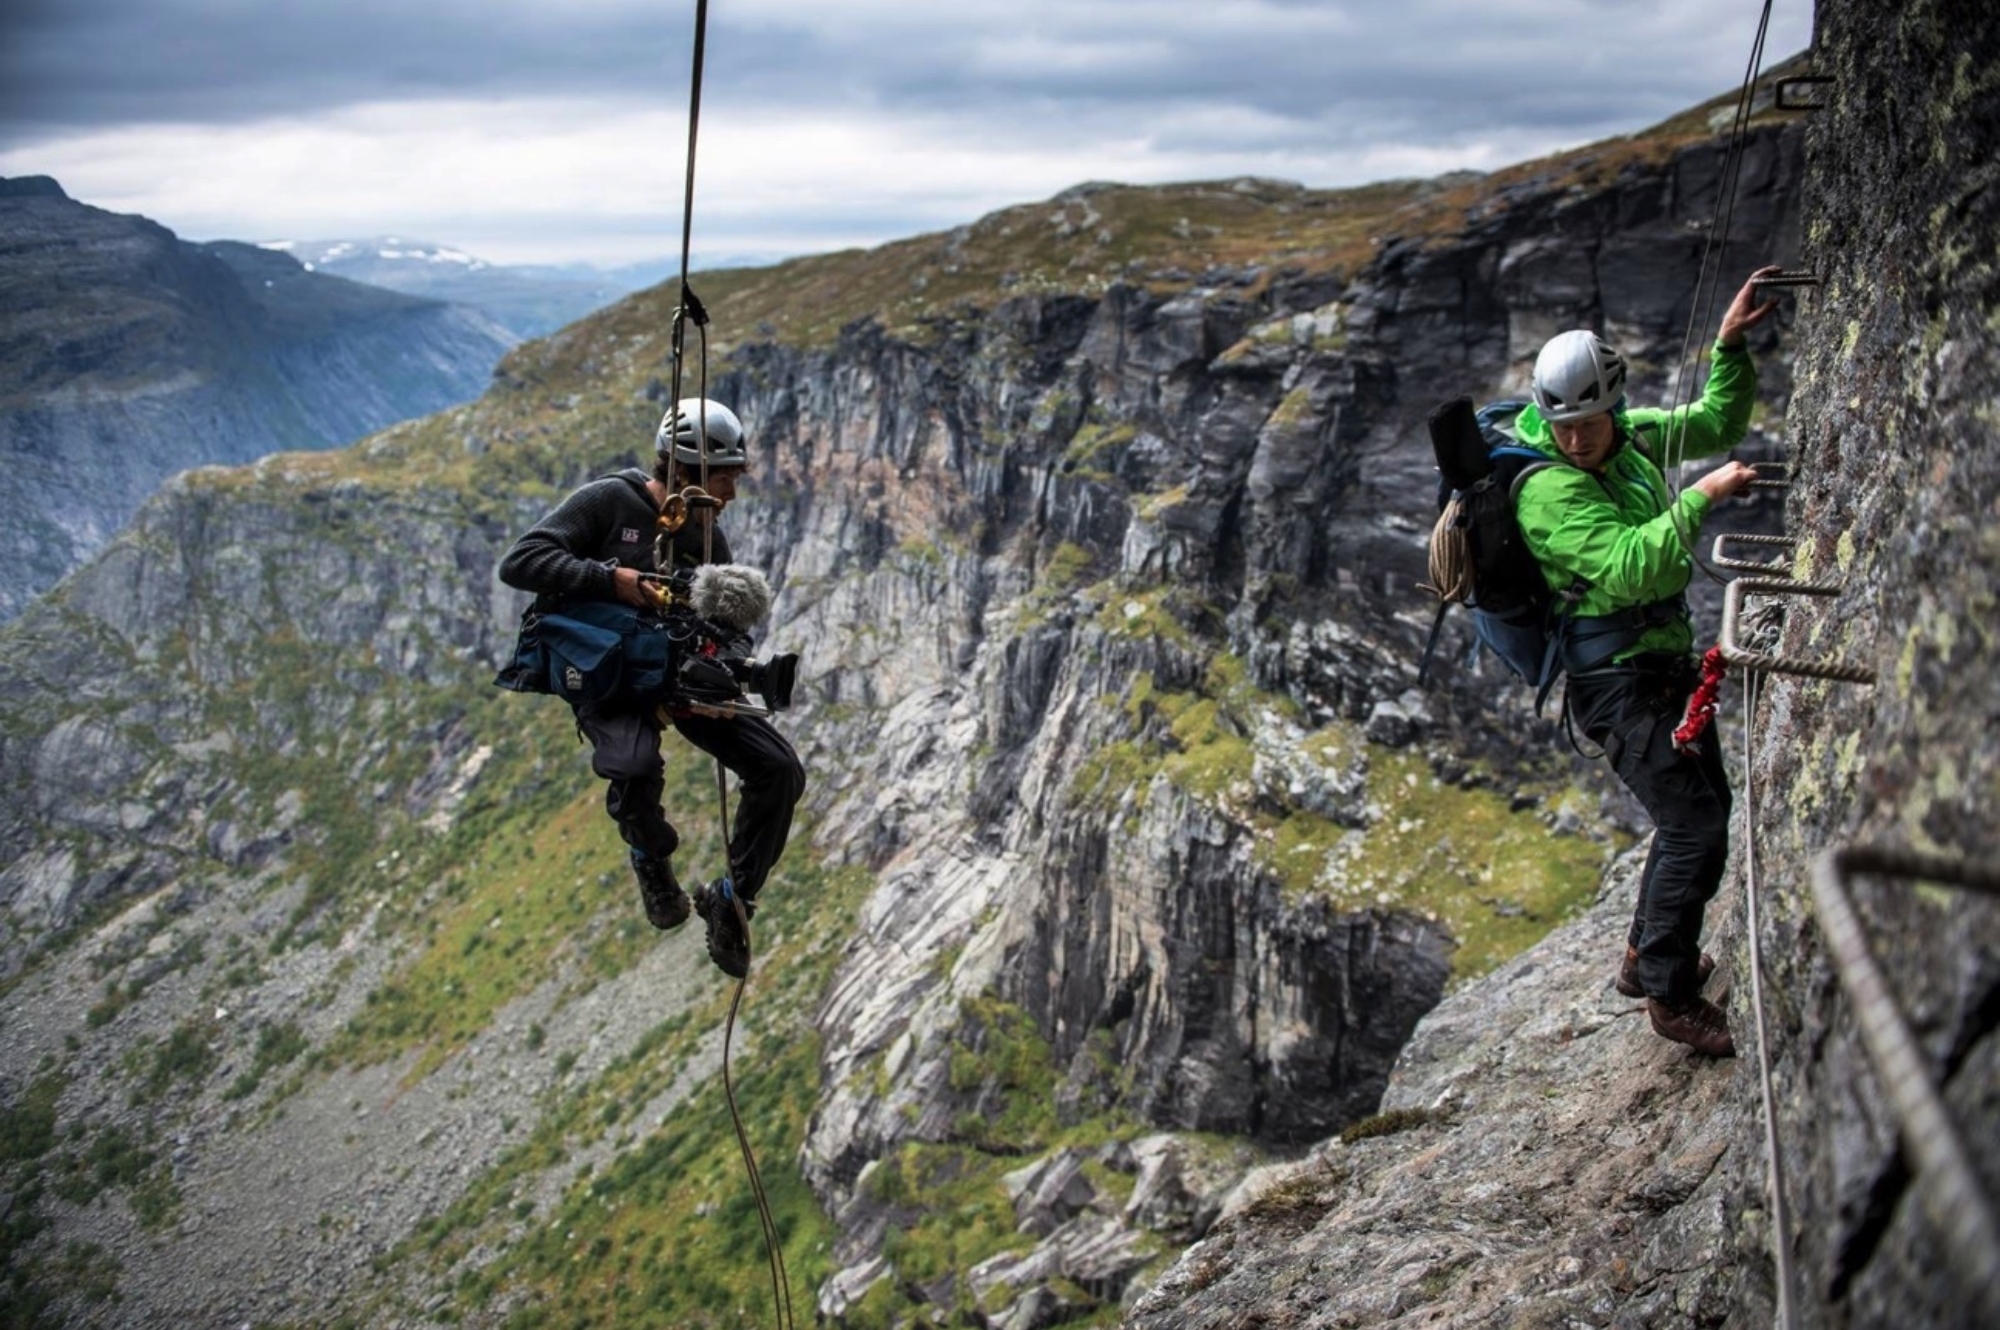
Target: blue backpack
pixel 590 651
pixel 1480 559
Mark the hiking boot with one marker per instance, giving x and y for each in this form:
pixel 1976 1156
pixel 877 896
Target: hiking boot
pixel 728 933
pixel 1699 1024
pixel 1627 981
pixel 666 904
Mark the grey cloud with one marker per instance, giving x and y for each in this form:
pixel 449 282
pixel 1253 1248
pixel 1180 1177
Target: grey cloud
pixel 77 64
pixel 88 64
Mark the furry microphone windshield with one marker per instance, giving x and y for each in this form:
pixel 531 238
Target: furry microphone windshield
pixel 731 594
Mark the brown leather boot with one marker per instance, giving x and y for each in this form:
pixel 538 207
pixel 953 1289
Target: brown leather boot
pixel 1699 1024
pixel 1627 981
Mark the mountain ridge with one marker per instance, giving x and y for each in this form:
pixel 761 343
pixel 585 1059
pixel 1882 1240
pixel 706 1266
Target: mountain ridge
pixel 529 300
pixel 1123 868
pixel 1076 704
pixel 127 354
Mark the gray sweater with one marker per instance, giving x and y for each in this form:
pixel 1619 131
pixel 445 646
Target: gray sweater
pixel 606 524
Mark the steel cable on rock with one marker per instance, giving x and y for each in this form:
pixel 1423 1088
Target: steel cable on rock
pixel 1707 279
pixel 689 309
pixel 1774 1173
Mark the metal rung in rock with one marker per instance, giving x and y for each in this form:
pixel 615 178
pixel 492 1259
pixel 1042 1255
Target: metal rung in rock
pixel 1721 560
pixel 1782 478
pixel 1732 611
pixel 1788 85
pixel 1949 1186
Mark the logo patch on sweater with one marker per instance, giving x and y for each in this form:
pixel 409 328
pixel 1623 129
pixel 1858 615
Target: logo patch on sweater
pixel 630 535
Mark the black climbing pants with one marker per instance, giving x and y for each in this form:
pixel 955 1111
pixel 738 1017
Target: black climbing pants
pixel 1631 712
pixel 625 752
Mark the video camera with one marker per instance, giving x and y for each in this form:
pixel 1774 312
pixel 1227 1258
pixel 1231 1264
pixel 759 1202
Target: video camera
pixel 710 612
pixel 716 680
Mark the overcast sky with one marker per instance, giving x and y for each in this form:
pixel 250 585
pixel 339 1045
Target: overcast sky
pixel 534 131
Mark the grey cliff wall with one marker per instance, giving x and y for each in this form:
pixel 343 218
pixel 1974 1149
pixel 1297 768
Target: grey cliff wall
pixel 1092 588
pixel 1267 492
pixel 1548 1162
pixel 1894 435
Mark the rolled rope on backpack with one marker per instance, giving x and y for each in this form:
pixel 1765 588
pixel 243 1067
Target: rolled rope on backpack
pixel 1451 556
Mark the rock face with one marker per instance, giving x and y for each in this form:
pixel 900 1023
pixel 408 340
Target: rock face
pixel 1541 1159
pixel 1260 486
pixel 127 355
pixel 1556 1164
pixel 1105 597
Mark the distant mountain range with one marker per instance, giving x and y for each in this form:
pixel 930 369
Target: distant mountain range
pixel 128 354
pixel 528 300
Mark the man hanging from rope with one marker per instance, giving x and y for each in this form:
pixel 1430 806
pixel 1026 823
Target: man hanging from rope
pixel 1604 523
pixel 599 545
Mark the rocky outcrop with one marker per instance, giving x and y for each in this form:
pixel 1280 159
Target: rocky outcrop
pixel 1544 1161
pixel 1892 434
pixel 1108 694
pixel 127 355
pixel 1245 474
pixel 1540 1158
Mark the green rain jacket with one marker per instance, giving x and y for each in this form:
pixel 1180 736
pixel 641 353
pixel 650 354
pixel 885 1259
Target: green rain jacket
pixel 1617 532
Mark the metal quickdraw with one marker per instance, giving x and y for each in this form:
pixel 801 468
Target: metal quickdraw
pixel 673 516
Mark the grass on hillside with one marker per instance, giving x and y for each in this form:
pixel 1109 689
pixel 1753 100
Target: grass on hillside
pixel 1496 876
pixel 665 1231
pixel 525 889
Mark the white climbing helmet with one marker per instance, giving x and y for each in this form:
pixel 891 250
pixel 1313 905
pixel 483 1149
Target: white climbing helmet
pixel 681 434
pixel 1578 376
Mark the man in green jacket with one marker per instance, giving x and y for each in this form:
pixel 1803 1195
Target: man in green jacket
pixel 1612 537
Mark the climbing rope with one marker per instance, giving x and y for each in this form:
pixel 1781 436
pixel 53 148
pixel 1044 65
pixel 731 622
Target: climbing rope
pixel 687 311
pixel 781 1287
pixel 1702 705
pixel 1450 556
pixel 1701 311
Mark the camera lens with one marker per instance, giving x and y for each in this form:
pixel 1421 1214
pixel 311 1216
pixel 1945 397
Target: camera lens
pixel 773 679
